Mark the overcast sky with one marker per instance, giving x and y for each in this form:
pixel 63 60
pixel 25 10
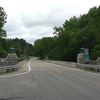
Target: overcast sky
pixel 33 19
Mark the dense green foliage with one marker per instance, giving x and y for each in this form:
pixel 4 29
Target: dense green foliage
pixel 74 34
pixel 22 48
pixel 3 18
pixel 42 47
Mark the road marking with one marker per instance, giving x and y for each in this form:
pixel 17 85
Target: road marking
pixel 29 69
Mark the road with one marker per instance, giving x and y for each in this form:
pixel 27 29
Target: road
pixel 47 81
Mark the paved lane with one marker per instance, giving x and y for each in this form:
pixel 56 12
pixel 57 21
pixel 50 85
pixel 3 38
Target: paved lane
pixel 48 81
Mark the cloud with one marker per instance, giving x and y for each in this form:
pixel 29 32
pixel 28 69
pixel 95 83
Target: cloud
pixel 31 34
pixel 34 19
pixel 49 20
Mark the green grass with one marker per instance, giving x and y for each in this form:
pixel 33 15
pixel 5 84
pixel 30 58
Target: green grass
pixel 2 71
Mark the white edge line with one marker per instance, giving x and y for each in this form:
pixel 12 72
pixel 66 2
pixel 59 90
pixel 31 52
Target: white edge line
pixel 29 69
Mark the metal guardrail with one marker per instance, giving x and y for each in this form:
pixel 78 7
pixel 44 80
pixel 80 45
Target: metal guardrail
pixel 92 65
pixel 10 68
pixel 89 66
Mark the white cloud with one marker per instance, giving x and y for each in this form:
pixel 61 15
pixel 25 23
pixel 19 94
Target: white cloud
pixel 33 19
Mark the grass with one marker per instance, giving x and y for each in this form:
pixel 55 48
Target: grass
pixel 2 71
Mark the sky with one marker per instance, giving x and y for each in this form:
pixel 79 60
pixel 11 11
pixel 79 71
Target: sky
pixel 34 19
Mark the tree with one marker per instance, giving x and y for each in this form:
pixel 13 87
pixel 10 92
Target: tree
pixel 3 17
pixel 43 46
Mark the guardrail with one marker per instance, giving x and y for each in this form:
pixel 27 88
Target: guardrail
pixel 89 66
pixel 63 63
pixel 10 68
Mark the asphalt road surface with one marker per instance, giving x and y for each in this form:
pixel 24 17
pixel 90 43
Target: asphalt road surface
pixel 47 81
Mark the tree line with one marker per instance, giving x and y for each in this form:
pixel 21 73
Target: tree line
pixel 73 34
pixel 22 48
